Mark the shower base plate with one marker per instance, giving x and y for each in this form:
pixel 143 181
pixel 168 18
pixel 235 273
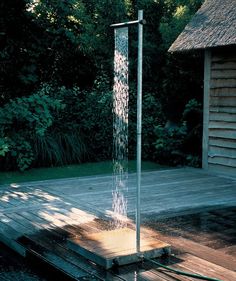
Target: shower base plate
pixel 116 247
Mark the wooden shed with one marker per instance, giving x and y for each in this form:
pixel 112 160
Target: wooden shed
pixel 213 30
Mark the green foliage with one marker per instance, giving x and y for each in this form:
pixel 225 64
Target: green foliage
pixel 181 145
pixel 176 15
pixel 85 119
pixel 20 119
pixel 151 115
pixel 56 74
pixel 169 145
pixel 181 73
pixel 180 83
pixel 92 110
pixel 58 148
pixel 152 56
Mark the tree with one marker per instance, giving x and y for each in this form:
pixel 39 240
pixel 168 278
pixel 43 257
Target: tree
pixel 181 73
pixel 18 55
pixel 68 44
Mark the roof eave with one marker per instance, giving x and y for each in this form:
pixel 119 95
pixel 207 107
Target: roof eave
pixel 174 49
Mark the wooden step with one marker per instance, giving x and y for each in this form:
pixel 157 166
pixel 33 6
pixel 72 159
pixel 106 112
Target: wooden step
pixel 9 236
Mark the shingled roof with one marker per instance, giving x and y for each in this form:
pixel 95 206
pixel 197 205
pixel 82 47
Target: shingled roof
pixel 213 25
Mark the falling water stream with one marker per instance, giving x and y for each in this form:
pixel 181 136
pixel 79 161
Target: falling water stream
pixel 120 128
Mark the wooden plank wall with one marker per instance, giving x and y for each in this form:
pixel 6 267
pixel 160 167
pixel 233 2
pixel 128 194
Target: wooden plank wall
pixel 222 112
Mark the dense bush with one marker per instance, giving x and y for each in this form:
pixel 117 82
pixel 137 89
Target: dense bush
pixel 82 130
pixel 181 144
pixel 93 111
pixel 20 120
pixel 56 126
pixel 152 114
pixel 63 142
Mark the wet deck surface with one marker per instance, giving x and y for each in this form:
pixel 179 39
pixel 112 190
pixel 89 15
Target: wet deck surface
pixel 187 208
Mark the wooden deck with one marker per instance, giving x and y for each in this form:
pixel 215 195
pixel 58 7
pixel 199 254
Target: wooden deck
pixel 193 211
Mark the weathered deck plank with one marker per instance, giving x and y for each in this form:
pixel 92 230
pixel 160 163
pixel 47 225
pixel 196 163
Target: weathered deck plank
pixel 201 251
pixel 201 266
pixel 9 236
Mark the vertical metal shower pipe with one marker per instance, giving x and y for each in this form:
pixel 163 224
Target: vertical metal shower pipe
pixel 139 125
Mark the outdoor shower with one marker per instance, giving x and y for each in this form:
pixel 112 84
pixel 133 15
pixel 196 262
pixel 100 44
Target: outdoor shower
pixel 122 244
pixel 120 120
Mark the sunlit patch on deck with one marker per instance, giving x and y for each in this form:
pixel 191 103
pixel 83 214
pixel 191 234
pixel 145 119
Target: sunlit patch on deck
pixel 116 247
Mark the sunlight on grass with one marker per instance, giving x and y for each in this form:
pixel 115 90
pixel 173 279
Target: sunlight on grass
pixel 87 169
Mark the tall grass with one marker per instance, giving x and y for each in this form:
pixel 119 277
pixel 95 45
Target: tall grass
pixel 59 149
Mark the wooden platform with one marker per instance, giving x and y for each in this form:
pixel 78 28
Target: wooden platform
pixel 187 208
pixel 117 247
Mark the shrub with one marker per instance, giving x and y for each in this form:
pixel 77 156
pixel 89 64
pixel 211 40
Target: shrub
pixel 20 120
pixel 83 128
pixel 181 145
pixel 152 114
pixel 58 148
pixel 169 145
pixel 97 123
